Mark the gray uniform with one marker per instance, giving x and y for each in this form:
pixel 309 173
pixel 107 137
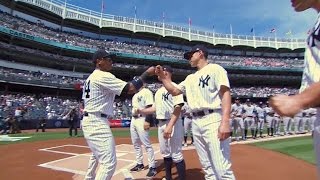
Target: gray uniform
pixel 237 122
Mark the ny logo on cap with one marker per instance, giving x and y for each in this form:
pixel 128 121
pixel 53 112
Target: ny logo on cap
pixel 165 96
pixel 204 81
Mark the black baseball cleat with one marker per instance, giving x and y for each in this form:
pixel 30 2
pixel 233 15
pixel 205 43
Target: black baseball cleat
pixel 152 172
pixel 138 167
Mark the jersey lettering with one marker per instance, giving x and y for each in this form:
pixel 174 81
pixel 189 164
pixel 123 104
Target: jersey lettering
pixel 165 96
pixel 204 82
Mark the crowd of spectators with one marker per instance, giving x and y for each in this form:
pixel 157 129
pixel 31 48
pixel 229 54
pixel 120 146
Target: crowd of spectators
pixel 40 30
pixel 29 76
pixel 17 107
pixel 42 77
pixel 262 92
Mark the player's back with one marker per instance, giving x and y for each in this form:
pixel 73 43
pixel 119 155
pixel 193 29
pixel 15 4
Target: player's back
pixel 99 91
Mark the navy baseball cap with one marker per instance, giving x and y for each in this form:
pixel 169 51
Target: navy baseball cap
pixel 168 68
pixel 188 55
pixel 101 53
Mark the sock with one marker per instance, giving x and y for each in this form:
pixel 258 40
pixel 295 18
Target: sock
pixel 245 133
pixel 168 166
pixel 252 133
pixel 268 130
pixel 271 131
pixel 181 168
pixel 260 133
pixel 192 139
pixel 185 139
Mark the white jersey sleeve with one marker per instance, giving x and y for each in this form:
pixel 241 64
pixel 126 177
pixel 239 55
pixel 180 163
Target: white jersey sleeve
pixel 182 86
pixel 112 83
pixel 221 77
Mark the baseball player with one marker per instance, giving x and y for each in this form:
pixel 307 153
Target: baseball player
pixel 277 124
pixel 298 123
pixel 237 122
pixel 270 119
pixel 139 130
pixel 260 115
pixel 187 123
pixel 209 99
pixel 98 94
pixel 249 115
pixel 309 95
pixel 170 132
pixel 287 121
pixel 307 122
pixel 313 113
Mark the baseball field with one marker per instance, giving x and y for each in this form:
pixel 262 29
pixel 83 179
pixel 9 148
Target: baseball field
pixel 54 155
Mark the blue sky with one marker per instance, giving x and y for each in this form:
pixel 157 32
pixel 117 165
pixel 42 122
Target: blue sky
pixel 243 15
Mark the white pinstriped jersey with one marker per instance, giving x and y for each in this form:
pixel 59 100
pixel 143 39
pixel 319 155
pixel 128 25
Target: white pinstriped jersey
pixel 99 91
pixel 311 73
pixel 165 103
pixel 202 87
pixel 142 99
pixel 236 109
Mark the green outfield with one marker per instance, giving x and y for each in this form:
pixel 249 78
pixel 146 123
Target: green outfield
pixel 300 147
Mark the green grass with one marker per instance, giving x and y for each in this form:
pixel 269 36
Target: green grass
pixel 300 147
pixel 64 135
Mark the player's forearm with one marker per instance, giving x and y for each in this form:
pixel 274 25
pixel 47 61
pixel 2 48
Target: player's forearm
pixel 310 97
pixel 147 111
pixel 175 116
pixel 225 103
pixel 167 83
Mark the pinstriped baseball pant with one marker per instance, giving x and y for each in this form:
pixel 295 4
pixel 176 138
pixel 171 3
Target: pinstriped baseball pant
pixel 214 154
pixel 98 135
pixel 316 142
pixel 140 136
pixel 171 147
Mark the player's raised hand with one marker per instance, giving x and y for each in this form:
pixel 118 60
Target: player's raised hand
pixel 161 73
pixel 151 71
pixel 285 105
pixel 224 131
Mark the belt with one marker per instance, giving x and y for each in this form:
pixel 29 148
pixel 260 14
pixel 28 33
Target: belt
pixel 202 113
pixel 162 119
pixel 102 115
pixel 249 116
pixel 238 116
pixel 137 116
